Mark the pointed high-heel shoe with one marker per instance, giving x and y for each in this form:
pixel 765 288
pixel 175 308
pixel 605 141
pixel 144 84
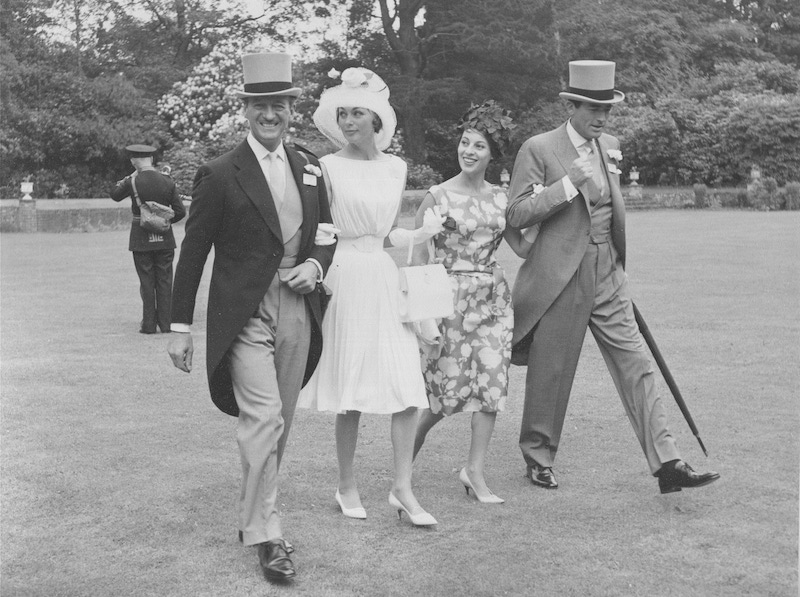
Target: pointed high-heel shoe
pixel 488 499
pixel 421 519
pixel 357 512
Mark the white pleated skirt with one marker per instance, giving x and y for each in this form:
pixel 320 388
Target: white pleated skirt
pixel 370 360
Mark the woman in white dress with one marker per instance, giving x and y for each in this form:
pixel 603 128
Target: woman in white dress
pixel 370 360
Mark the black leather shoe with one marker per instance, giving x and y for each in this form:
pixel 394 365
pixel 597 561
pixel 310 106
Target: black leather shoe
pixel 676 475
pixel 542 476
pixel 275 561
pixel 144 331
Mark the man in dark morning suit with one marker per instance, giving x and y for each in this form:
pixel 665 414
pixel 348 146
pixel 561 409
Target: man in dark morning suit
pixel 565 191
pixel 259 207
pixel 153 252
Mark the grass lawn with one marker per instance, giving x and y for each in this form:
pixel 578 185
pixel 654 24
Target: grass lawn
pixel 119 476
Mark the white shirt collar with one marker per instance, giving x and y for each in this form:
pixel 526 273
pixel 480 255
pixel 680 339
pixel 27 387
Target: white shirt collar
pixel 262 152
pixel 577 139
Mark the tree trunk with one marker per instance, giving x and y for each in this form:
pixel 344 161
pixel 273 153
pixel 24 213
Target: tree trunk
pixel 407 50
pixel 76 8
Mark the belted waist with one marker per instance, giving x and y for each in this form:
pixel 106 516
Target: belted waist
pixel 473 268
pixel 600 238
pixel 365 244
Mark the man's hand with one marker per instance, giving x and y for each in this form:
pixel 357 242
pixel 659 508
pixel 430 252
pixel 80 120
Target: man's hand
pixel 181 349
pixel 580 171
pixel 302 278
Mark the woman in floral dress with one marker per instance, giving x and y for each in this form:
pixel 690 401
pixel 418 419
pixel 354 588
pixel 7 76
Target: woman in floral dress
pixel 470 374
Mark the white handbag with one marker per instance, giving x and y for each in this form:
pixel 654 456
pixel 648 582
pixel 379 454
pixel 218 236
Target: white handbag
pixel 425 291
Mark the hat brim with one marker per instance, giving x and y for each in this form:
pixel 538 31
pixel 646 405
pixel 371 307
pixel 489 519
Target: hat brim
pixel 341 97
pixel 291 92
pixel 618 97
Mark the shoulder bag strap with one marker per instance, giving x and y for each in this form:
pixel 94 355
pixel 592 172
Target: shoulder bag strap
pixel 135 192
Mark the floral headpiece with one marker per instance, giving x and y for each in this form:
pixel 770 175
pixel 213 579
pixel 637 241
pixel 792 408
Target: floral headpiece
pixel 355 77
pixel 490 120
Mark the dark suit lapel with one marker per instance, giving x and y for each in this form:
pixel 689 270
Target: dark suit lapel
pixel 251 178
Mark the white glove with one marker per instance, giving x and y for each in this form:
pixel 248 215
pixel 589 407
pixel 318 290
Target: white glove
pixel 432 222
pixel 326 234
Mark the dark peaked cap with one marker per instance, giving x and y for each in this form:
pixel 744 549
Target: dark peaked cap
pixel 140 151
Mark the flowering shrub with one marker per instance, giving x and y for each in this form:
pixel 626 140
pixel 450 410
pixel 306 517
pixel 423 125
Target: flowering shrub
pixel 185 157
pixel 421 176
pixel 194 106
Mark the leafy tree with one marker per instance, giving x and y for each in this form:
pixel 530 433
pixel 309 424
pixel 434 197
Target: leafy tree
pixel 764 130
pixel 777 23
pixel 80 80
pixel 56 125
pixel 715 129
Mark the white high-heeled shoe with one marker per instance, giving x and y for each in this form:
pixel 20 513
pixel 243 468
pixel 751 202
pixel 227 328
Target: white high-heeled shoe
pixel 357 512
pixel 489 499
pixel 421 519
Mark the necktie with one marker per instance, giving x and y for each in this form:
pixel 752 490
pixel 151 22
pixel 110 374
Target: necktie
pixel 598 177
pixel 277 178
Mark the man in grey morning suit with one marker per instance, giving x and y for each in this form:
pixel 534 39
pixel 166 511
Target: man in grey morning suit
pixel 259 206
pixel 565 191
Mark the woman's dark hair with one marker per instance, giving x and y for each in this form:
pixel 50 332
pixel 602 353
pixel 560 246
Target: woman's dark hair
pixel 491 121
pixel 377 123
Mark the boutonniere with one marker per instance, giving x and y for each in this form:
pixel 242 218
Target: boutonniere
pixel 615 154
pixel 537 188
pixel 312 169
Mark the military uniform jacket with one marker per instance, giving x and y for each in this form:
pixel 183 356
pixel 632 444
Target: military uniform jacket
pixel 151 186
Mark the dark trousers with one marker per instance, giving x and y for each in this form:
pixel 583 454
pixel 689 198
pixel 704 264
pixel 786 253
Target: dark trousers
pixel 154 269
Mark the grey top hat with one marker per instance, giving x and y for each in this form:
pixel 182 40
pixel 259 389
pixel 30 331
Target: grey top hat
pixel 267 74
pixel 592 81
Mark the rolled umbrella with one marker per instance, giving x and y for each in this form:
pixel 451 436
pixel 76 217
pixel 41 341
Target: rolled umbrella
pixel 662 365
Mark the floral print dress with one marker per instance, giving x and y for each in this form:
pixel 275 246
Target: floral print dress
pixel 471 372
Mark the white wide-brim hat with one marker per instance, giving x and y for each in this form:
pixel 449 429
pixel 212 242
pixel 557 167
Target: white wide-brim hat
pixel 592 81
pixel 267 74
pixel 360 88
